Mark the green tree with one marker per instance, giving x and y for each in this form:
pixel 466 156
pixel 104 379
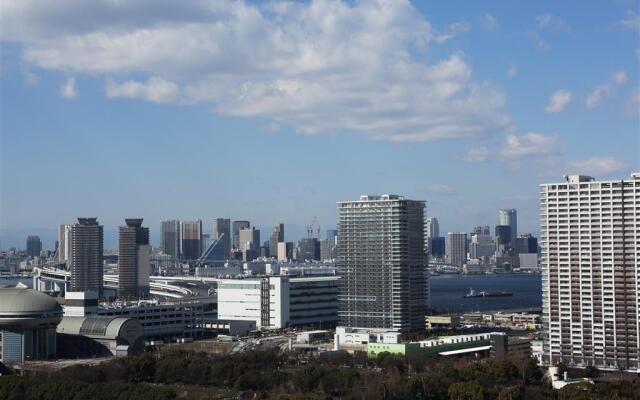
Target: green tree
pixel 576 391
pixel 511 393
pixel 471 390
pixel 532 372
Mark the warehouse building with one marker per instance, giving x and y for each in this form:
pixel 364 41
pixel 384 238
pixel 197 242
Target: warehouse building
pixel 99 336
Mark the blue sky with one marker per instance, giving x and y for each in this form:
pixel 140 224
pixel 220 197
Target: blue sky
pixel 273 111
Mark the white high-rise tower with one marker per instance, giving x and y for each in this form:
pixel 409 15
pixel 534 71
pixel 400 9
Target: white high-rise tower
pixel 590 239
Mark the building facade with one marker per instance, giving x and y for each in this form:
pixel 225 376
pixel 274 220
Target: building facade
pixel 382 262
pixel 590 235
pixel 277 236
pixel 526 244
pixel 85 258
pixel 249 242
pixel 34 246
pixel 509 217
pixel 64 242
pixel 481 246
pixel 432 227
pixel 309 249
pixel 190 240
pixel 170 237
pixel 222 226
pixel 457 248
pixel 133 260
pixel 437 247
pixel 280 301
pixel 237 226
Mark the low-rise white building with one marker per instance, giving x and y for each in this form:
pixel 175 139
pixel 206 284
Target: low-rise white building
pixel 455 339
pixel 349 336
pixel 263 300
pixel 276 302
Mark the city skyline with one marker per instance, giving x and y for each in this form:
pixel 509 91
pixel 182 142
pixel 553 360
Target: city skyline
pixel 148 127
pixel 320 199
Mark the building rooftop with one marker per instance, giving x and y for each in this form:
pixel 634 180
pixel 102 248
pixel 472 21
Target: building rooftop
pixel 15 300
pixel 133 222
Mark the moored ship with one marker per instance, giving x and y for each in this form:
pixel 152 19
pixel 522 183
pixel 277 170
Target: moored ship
pixel 473 294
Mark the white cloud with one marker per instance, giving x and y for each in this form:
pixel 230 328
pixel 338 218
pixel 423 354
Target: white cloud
pixel 455 29
pixel 538 41
pixel 619 77
pixel 512 71
pixel 30 78
pixel 488 21
pixel 632 105
pixel 319 67
pixel 515 148
pixel 155 89
pixel 595 166
pixel 442 190
pixel 68 89
pixel 558 101
pixel 477 154
pixel 630 22
pixel 546 24
pixel 529 144
pixel 551 22
pixel 595 97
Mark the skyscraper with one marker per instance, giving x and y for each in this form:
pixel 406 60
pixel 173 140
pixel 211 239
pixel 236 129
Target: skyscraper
pixel 328 245
pixel 482 245
pixel 223 226
pixel 133 260
pixel 249 243
pixel 433 227
pixel 509 217
pixel 332 235
pixel 590 235
pixel 457 248
pixel 309 249
pixel 85 256
pixel 191 239
pixel 437 247
pixel 34 246
pixel 64 242
pixel 237 225
pixel 526 244
pixel 277 236
pixel 481 230
pixel 170 237
pixel 503 235
pixel 382 262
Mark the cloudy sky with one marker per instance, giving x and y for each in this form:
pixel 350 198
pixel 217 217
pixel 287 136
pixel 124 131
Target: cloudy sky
pixel 273 111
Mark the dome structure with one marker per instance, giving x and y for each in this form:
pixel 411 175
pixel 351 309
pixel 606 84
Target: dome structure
pixel 22 308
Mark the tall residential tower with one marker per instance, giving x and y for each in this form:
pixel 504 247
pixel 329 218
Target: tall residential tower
pixel 277 236
pixel 85 256
pixel 590 240
pixel 509 217
pixel 191 240
pixel 133 260
pixel 222 226
pixel 457 248
pixel 382 263
pixel 170 237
